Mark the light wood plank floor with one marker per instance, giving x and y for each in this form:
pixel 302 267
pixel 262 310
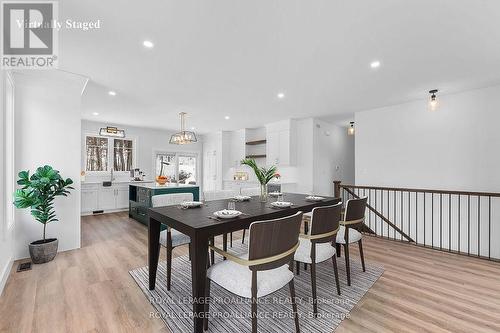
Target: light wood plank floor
pixel 90 290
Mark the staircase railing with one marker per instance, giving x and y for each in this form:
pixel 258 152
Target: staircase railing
pixel 455 221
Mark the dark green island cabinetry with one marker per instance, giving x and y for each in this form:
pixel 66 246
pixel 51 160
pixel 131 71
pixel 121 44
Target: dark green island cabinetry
pixel 140 197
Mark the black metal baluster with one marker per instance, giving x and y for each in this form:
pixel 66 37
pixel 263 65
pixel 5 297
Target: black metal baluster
pixel 416 217
pixel 401 214
pixel 370 213
pixel 375 210
pixel 459 219
pixel 425 194
pixel 381 212
pixel 388 213
pixel 409 213
pixel 395 217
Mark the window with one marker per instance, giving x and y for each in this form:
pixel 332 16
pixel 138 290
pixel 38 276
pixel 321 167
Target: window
pixel 177 167
pixel 97 153
pixel 103 153
pixel 122 155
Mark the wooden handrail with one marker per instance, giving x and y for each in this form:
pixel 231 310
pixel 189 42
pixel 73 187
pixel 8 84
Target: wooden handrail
pixel 419 190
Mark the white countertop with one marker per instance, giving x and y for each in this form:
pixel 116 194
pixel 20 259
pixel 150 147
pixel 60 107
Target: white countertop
pixel 156 186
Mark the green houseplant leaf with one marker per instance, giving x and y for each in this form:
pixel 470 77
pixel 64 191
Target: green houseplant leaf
pixel 38 192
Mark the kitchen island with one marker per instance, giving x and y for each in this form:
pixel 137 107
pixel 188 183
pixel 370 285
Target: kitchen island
pixel 140 197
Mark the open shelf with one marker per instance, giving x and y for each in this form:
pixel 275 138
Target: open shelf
pixel 256 142
pixel 256 156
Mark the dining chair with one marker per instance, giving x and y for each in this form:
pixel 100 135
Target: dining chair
pixel 266 268
pixel 171 238
pixel 354 217
pixel 251 192
pixel 221 195
pixel 319 245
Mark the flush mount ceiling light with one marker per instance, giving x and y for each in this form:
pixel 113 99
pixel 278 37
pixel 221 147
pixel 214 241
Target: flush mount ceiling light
pixel 350 129
pixel 183 137
pixel 148 44
pixel 433 102
pixel 112 93
pixel 375 64
pixel 95 113
pixel 112 132
pixel 226 117
pixel 281 95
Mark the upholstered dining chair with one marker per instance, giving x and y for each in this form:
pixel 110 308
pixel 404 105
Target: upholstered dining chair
pixel 319 244
pixel 266 268
pixel 171 238
pixel 221 195
pixel 349 233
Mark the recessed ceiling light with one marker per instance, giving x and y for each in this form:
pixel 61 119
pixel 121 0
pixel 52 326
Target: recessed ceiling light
pixel 375 64
pixel 148 44
pixel 112 93
pixel 193 128
pixel 226 117
pixel 95 113
pixel 281 95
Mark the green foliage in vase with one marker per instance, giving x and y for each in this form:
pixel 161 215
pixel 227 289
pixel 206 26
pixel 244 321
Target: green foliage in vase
pixel 264 175
pixel 39 191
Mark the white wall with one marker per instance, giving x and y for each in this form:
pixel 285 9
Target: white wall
pixel 47 131
pixel 212 161
pixel 333 156
pixel 148 141
pixel 6 233
pixel 455 147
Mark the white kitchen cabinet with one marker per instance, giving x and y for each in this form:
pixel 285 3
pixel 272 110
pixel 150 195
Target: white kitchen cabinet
pixel 89 199
pixel 122 199
pixel 96 197
pixel 107 198
pixel 281 143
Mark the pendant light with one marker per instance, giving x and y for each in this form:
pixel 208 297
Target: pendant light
pixel 183 137
pixel 433 102
pixel 350 129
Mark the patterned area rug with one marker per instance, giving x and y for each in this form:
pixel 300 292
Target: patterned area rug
pixel 229 313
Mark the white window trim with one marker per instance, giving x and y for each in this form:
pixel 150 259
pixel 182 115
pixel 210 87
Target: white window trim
pixel 177 154
pixel 111 154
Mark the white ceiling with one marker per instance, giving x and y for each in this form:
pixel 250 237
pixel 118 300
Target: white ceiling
pixel 231 57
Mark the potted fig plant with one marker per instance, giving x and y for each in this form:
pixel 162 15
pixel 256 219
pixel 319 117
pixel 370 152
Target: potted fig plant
pixel 264 175
pixel 38 192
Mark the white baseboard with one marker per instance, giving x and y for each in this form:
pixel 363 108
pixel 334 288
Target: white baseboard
pixel 105 212
pixel 4 275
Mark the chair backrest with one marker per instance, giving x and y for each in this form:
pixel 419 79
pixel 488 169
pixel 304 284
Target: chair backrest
pixel 219 195
pixel 355 210
pixel 325 220
pixel 272 238
pixel 250 191
pixel 172 199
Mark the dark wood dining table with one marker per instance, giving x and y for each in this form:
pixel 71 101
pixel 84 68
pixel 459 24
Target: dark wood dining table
pixel 197 224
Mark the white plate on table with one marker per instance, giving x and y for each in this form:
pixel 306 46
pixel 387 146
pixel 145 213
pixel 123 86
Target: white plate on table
pixel 227 214
pixel 241 197
pixel 275 194
pixel 281 204
pixel 191 204
pixel 314 198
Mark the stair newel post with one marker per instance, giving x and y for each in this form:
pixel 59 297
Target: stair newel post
pixel 336 188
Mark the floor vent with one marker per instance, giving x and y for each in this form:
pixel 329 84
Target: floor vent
pixel 25 266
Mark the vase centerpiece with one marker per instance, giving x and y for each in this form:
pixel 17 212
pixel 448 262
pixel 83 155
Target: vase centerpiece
pixel 38 192
pixel 264 176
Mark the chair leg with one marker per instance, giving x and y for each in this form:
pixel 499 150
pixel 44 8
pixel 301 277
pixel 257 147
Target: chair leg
pixel 298 268
pixel 339 250
pixel 231 239
pixel 243 239
pixel 212 253
pixel 224 244
pixel 336 272
pixel 169 265
pixel 254 302
pixel 360 243
pixel 294 306
pixel 207 304
pixel 313 284
pixel 347 263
